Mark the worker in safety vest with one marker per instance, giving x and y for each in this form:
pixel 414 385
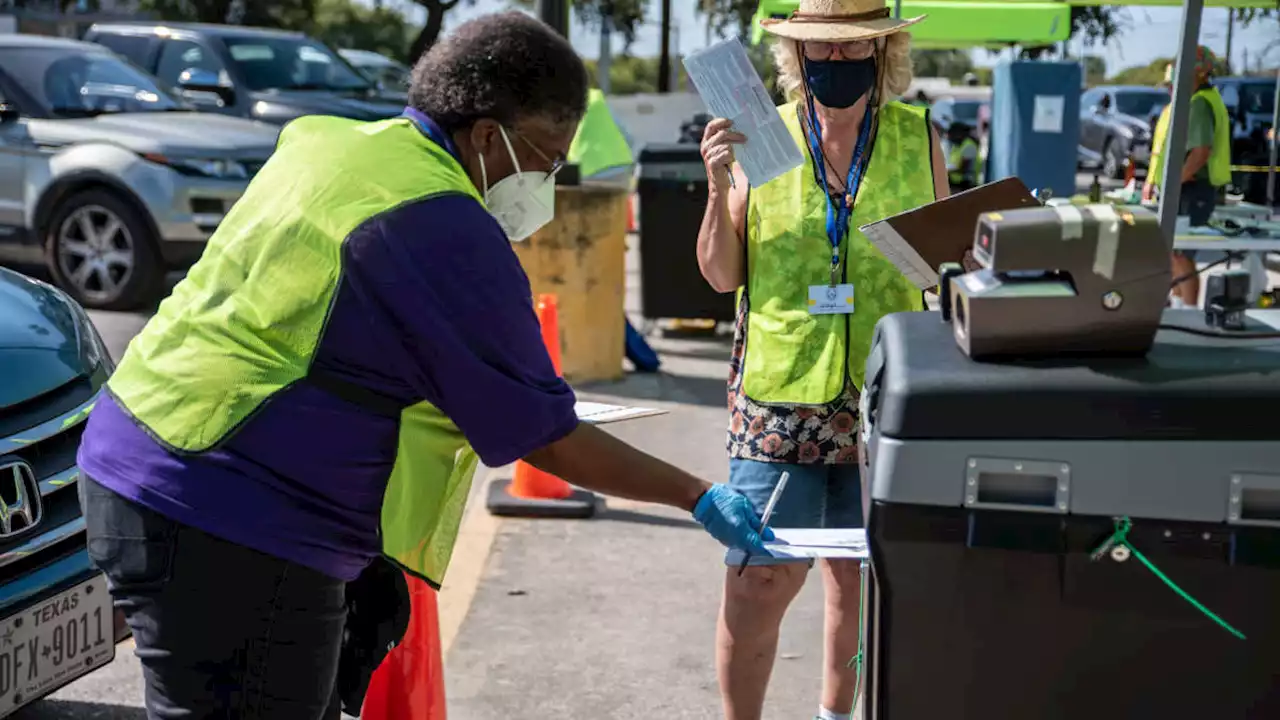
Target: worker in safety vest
pixel 1158 141
pixel 963 157
pixel 1206 169
pixel 317 393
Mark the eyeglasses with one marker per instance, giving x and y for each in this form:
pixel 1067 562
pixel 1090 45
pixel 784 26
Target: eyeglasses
pixel 555 164
pixel 851 49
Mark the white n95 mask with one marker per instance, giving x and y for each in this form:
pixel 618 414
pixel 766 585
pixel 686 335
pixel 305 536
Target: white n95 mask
pixel 521 202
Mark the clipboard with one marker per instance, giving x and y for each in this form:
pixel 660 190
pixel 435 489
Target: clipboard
pixel 919 241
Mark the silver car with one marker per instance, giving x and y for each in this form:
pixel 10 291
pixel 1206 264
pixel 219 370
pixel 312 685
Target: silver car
pixel 105 175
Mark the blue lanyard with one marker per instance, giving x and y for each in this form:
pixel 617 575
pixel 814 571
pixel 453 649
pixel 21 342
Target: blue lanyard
pixel 838 217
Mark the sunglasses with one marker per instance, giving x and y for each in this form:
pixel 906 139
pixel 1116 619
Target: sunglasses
pixel 848 49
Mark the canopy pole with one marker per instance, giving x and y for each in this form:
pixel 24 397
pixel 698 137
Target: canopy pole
pixel 897 9
pixel 1275 143
pixel 1176 150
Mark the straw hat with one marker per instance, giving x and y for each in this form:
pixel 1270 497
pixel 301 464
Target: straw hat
pixel 837 21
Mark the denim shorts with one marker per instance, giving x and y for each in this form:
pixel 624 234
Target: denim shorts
pixel 816 496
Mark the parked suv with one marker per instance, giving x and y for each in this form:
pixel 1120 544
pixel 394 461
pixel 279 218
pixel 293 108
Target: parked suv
pixel 56 618
pixel 269 75
pixel 105 176
pixel 1251 103
pixel 1116 123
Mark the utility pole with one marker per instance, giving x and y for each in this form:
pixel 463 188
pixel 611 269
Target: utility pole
pixel 606 53
pixel 556 14
pixel 1231 21
pixel 664 57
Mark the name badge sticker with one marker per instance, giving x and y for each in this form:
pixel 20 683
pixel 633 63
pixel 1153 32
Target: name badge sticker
pixel 831 299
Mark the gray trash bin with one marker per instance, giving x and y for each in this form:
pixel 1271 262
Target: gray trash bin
pixel 991 486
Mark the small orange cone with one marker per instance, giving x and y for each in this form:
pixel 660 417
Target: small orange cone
pixel 409 684
pixel 531 492
pixel 632 226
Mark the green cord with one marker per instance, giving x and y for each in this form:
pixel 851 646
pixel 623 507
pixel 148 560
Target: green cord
pixel 856 660
pixel 1120 538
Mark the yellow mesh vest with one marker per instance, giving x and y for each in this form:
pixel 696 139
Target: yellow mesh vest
pixel 793 357
pixel 248 317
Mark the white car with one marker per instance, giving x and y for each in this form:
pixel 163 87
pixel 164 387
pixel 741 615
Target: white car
pixel 391 75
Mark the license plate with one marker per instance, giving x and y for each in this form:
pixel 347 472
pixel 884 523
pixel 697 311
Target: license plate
pixel 54 642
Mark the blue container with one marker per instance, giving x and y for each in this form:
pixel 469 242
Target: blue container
pixel 1035 124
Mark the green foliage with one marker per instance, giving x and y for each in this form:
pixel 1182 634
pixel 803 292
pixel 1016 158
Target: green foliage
pixel 951 64
pixel 624 16
pixel 349 24
pixel 1095 69
pixel 632 75
pixel 1153 72
pixel 263 13
pixel 728 15
pixel 1149 74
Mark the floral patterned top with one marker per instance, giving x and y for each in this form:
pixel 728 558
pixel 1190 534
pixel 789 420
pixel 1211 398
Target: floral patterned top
pixel 793 435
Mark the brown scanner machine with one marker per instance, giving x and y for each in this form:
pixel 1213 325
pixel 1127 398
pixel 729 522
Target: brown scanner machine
pixel 1061 279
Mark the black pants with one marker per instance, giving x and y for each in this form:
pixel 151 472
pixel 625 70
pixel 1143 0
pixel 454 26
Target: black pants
pixel 222 631
pixel 1197 201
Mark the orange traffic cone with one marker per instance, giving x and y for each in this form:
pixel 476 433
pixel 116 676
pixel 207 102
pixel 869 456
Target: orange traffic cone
pixel 409 684
pixel 632 226
pixel 531 492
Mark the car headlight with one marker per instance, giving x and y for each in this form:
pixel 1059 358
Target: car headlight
pixel 203 167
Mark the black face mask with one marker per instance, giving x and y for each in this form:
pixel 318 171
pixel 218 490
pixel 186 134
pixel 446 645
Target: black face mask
pixel 839 83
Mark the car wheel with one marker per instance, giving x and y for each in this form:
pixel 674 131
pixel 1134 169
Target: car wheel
pixel 102 252
pixel 1111 165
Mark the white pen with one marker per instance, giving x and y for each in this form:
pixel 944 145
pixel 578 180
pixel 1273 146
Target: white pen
pixel 768 512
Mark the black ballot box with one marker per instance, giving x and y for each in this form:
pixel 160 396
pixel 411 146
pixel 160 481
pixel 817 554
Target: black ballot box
pixel 989 488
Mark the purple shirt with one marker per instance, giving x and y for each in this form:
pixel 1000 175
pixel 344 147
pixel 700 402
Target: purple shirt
pixel 432 305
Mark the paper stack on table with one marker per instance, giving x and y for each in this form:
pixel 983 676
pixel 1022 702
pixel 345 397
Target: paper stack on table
pixel 840 544
pixel 600 413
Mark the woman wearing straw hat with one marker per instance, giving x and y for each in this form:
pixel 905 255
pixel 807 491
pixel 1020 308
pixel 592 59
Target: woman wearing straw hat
pixel 811 290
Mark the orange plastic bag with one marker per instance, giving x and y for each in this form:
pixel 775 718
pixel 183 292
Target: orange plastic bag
pixel 409 684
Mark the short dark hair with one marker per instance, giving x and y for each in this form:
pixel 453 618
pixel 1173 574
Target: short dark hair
pixel 502 66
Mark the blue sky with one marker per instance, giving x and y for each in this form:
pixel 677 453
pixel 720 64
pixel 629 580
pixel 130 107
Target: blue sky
pixel 1153 33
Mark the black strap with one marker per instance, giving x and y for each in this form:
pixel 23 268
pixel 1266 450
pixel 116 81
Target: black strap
pixel 343 388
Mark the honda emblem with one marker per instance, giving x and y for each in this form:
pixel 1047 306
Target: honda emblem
pixel 20 506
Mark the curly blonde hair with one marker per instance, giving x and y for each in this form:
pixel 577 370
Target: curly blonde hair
pixel 895 75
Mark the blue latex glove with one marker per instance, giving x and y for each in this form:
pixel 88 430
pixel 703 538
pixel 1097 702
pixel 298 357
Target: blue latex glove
pixel 730 518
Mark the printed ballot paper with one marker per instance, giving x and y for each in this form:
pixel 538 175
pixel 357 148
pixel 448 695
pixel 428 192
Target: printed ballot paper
pixel 732 90
pixel 837 544
pixel 601 414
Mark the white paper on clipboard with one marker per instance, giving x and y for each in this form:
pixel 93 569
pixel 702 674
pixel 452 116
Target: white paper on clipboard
pixel 730 87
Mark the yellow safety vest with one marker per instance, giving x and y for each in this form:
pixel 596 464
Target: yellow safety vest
pixel 956 157
pixel 1158 139
pixel 245 322
pixel 792 356
pixel 1219 155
